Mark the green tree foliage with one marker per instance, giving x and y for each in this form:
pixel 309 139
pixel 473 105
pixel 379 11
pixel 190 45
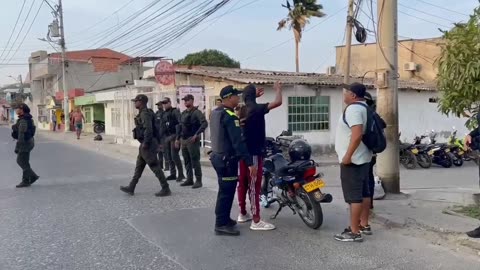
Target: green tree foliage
pixel 459 70
pixel 213 58
pixel 298 17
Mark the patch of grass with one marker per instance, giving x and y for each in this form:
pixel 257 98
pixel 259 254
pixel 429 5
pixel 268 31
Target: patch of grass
pixel 472 211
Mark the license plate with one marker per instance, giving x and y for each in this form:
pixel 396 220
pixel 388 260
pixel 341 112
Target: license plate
pixel 415 151
pixel 314 185
pixel 461 152
pixel 430 153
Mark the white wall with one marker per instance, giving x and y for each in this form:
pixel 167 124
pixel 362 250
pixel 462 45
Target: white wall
pixel 417 115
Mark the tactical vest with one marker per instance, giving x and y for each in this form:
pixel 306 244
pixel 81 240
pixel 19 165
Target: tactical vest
pixel 171 122
pixel 190 124
pixel 31 129
pixel 220 142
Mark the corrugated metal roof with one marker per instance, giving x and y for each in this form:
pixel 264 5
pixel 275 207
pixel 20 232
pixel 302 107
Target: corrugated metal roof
pixel 269 77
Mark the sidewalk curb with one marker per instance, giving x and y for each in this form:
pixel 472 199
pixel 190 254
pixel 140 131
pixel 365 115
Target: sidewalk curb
pixel 459 237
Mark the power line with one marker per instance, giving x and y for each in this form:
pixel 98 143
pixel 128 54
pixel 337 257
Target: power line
pixel 444 8
pixel 14 27
pixel 286 41
pixel 21 28
pixel 426 13
pixel 422 19
pixel 28 31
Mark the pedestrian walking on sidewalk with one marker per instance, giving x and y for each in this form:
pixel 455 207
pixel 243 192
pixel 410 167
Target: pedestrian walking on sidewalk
pixel 78 120
pixel 54 121
pixel 158 119
pixel 147 134
pixel 472 141
pixel 24 132
pixel 192 125
pixel 171 126
pixel 252 118
pixel 228 148
pixel 355 158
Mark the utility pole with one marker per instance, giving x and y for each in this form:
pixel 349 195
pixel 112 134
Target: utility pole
pixel 387 96
pixel 348 46
pixel 64 66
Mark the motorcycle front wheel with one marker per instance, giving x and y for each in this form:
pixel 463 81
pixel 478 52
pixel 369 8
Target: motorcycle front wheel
pixel 408 159
pixel 310 211
pixel 446 161
pixel 457 161
pixel 424 160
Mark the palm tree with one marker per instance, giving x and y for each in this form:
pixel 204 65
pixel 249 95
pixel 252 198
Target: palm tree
pixel 298 17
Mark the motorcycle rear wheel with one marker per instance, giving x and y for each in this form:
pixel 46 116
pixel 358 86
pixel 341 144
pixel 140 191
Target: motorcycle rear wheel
pixel 98 129
pixel 424 160
pixel 313 217
pixel 457 161
pixel 447 162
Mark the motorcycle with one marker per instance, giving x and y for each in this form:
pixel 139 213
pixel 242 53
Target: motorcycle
pixel 423 158
pixel 295 184
pixel 440 153
pixel 98 126
pixel 458 149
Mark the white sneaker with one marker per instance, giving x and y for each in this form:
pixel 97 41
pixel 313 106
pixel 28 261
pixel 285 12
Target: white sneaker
pixel 244 218
pixel 262 226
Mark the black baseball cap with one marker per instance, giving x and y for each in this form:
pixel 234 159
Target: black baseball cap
pixel 188 97
pixel 141 98
pixel 357 88
pixel 165 100
pixel 229 91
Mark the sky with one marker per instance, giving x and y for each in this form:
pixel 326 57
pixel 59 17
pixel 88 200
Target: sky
pixel 244 29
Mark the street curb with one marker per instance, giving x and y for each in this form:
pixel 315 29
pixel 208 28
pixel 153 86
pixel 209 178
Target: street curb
pixel 387 221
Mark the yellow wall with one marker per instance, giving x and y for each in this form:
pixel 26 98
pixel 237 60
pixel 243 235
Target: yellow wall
pixel 425 53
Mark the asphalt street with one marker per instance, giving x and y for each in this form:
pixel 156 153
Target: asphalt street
pixel 75 217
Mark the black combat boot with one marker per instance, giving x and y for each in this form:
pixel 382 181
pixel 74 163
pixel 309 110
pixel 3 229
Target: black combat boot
pixel 187 183
pixel 198 184
pixel 475 233
pixel 23 185
pixel 180 178
pixel 164 192
pixel 34 179
pixel 227 230
pixel 130 189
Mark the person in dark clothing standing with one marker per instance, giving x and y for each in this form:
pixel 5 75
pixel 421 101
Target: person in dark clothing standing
pixel 24 131
pixel 254 132
pixel 228 148
pixel 371 177
pixel 170 128
pixel 472 141
pixel 193 123
pixel 146 133
pixel 158 121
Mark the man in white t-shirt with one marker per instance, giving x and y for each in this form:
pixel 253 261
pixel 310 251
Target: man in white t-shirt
pixel 354 158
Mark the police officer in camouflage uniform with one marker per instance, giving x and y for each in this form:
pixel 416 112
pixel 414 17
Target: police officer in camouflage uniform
pixel 158 121
pixel 147 134
pixel 170 128
pixel 228 148
pixel 24 131
pixel 192 124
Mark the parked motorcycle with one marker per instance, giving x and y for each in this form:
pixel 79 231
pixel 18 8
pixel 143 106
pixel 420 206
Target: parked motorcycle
pixel 456 159
pixel 438 152
pixel 458 148
pixel 423 158
pixel 295 183
pixel 98 126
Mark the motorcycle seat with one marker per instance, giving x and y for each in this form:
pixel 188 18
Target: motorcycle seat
pixel 291 169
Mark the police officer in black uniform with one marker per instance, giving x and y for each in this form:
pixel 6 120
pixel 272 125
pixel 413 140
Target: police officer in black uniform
pixel 146 133
pixel 228 148
pixel 158 119
pixel 171 128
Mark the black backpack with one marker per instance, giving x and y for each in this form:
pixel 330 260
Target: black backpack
pixel 374 137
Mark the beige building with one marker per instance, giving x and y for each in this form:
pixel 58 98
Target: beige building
pixel 416 59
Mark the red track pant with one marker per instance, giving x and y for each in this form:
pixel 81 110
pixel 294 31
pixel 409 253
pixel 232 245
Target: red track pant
pixel 252 186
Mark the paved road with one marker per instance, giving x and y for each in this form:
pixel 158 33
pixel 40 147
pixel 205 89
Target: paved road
pixel 76 218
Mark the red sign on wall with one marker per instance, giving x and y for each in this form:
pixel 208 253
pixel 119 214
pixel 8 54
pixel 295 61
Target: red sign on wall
pixel 72 93
pixel 165 73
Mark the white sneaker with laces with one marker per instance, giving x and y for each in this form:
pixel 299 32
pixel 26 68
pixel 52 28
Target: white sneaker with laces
pixel 244 218
pixel 262 226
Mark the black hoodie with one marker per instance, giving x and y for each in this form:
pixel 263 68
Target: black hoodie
pixel 254 128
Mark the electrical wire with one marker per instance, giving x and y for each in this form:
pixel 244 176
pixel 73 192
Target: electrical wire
pixel 286 41
pixel 153 22
pixel 26 33
pixel 21 28
pixel 185 27
pixel 444 8
pixel 214 20
pixel 426 13
pixel 14 27
pixel 173 30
